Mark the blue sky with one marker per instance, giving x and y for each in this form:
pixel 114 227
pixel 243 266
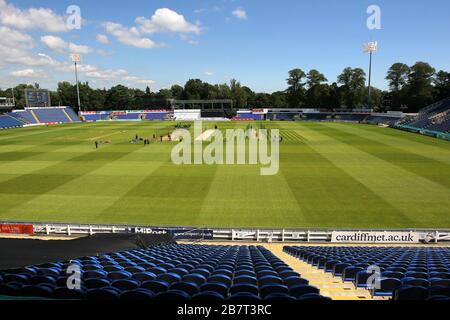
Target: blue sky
pixel 254 41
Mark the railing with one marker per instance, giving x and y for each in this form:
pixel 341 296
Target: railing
pixel 217 234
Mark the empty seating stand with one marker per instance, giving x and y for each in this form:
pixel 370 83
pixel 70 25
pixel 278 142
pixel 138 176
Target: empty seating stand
pixel 8 122
pixel 169 272
pixel 35 116
pixel 402 273
pixel 434 118
pixel 53 115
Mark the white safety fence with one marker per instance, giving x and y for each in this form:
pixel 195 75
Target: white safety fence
pixel 256 235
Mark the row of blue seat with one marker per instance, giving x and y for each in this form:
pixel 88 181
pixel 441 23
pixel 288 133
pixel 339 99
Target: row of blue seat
pixel 44 115
pixel 7 122
pixel 225 272
pixel 394 267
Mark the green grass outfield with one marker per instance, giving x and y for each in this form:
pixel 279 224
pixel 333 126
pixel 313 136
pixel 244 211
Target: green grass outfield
pixel 332 175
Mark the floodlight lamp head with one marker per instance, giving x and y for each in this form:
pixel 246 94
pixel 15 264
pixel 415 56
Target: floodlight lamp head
pixel 370 47
pixel 76 58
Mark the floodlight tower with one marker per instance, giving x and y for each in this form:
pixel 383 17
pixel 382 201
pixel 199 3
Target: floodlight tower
pixel 76 58
pixel 370 48
pixel 13 96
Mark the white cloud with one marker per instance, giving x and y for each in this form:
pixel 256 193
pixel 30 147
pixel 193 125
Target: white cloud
pixel 28 73
pixel 75 48
pixel 128 36
pixel 102 38
pixel 32 18
pixel 57 44
pixel 240 14
pixel 15 48
pixel 54 43
pixel 163 20
pixel 208 73
pixel 15 39
pixel 166 20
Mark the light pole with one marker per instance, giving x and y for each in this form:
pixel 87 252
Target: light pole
pixel 13 96
pixel 76 58
pixel 370 48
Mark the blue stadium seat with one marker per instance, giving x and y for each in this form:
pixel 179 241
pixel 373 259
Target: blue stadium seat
pixel 155 286
pixel 300 290
pixel 220 279
pixel 387 287
pixel 208 296
pixel 125 285
pixel 172 295
pixel 36 280
pixel 96 283
pixel 107 293
pixel 439 291
pixel 244 288
pixel 408 292
pixel 189 287
pixel 269 289
pixel 137 295
pixel 245 279
pixel 244 297
pixel 38 291
pixel 293 281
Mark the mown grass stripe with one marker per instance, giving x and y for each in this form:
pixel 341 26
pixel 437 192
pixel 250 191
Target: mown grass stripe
pixel 421 201
pixel 406 160
pixel 440 151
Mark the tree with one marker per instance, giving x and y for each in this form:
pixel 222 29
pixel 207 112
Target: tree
pixel 317 92
pixel 296 91
pixel 397 77
pixel 177 91
pixel 420 86
pixel 193 89
pixel 238 94
pixel 315 78
pixel 353 87
pixel 119 98
pixel 442 85
pixel 67 95
pixel 278 99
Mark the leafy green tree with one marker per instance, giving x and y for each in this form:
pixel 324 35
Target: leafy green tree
pixel 353 87
pixel 315 78
pixel 177 91
pixel 296 88
pixel 119 98
pixel 238 94
pixel 278 99
pixel 193 89
pixel 317 92
pixel 397 77
pixel 442 85
pixel 420 86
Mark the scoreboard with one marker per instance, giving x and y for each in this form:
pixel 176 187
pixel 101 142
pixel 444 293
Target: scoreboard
pixel 36 98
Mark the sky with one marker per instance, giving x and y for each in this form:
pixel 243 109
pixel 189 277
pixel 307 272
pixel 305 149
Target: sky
pixel 159 43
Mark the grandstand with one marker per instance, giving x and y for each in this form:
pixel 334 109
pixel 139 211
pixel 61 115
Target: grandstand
pixel 37 116
pixel 132 115
pixel 170 272
pixel 9 122
pixel 434 118
pixel 405 273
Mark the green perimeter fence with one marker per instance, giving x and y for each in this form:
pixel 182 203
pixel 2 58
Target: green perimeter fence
pixel 430 133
